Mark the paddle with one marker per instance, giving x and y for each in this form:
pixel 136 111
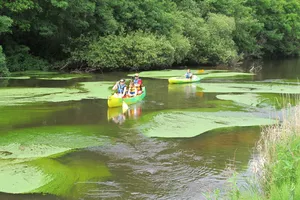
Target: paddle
pixel 124 106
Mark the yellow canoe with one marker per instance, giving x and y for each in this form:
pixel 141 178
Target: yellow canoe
pixel 116 101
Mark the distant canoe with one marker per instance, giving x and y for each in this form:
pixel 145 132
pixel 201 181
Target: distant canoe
pixel 116 102
pixel 178 80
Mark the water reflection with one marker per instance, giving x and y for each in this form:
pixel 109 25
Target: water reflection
pixel 189 90
pixel 118 116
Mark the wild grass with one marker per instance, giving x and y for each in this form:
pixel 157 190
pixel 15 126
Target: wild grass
pixel 276 168
pixel 279 155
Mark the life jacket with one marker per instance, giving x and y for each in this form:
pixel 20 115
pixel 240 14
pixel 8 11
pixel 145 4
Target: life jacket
pixel 121 88
pixel 131 90
pixel 136 81
pixel 188 75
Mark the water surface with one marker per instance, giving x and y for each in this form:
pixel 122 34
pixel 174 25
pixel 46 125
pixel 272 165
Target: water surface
pixel 141 167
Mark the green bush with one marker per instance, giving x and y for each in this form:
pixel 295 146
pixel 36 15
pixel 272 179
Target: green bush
pixel 131 51
pixel 19 59
pixel 3 69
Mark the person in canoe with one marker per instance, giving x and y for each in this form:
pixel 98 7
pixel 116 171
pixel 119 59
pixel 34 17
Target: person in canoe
pixel 138 83
pixel 120 86
pixel 132 90
pixel 189 74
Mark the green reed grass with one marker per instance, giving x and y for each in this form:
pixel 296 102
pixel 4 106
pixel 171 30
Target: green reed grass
pixel 276 170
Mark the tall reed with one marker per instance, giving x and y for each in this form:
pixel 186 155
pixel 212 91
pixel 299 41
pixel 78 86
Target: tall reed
pixel 279 155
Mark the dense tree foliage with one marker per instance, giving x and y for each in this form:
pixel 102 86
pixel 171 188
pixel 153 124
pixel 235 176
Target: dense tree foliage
pixel 143 34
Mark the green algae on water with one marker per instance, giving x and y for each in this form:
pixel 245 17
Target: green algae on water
pixel 46 141
pixel 183 124
pixel 61 179
pixel 49 176
pixel 227 75
pixel 20 178
pixel 46 75
pixel 162 74
pixel 247 98
pixel 16 77
pixel 64 76
pixel 85 90
pixel 34 73
pixel 207 74
pixel 249 88
pixel 261 100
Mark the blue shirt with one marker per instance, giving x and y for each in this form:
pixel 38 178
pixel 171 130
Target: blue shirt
pixel 188 75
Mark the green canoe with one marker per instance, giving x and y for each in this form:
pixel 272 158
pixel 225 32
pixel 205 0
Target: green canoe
pixel 116 101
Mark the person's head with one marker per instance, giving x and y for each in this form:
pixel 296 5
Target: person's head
pixel 136 76
pixel 131 84
pixel 122 81
pixel 188 70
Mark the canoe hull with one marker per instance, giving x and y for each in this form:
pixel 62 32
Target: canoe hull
pixel 179 80
pixel 117 102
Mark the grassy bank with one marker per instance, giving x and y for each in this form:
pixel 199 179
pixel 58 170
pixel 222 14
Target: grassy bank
pixel 276 170
pixel 279 150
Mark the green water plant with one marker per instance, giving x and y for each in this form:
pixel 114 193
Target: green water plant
pixel 164 74
pixel 249 88
pixel 37 142
pixel 184 124
pixel 271 100
pixel 207 74
pixel 30 159
pixel 46 75
pixel 84 90
pixel 50 176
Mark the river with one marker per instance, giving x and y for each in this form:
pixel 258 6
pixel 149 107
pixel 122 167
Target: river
pixel 132 165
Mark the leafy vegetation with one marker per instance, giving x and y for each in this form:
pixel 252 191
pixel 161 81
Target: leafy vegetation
pixel 27 95
pixel 137 34
pixel 49 176
pixel 184 124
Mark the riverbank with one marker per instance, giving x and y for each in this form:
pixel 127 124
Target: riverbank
pixel 276 170
pixel 279 149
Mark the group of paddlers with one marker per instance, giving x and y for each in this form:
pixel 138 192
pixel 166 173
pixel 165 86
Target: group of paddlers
pixel 135 87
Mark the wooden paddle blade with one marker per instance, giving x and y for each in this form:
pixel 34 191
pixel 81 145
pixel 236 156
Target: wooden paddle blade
pixel 124 107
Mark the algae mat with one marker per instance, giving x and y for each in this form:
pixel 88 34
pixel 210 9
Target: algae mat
pixel 50 176
pixel 249 88
pixel 28 159
pixel 250 99
pixel 208 74
pixel 44 75
pixel 85 90
pixel 164 74
pixel 184 124
pixel 46 141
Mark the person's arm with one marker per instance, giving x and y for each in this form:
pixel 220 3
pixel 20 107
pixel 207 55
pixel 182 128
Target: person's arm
pixel 124 91
pixel 116 86
pixel 135 91
pixel 128 92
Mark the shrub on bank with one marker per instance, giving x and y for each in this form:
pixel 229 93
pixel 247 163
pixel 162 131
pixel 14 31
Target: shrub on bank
pixel 135 50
